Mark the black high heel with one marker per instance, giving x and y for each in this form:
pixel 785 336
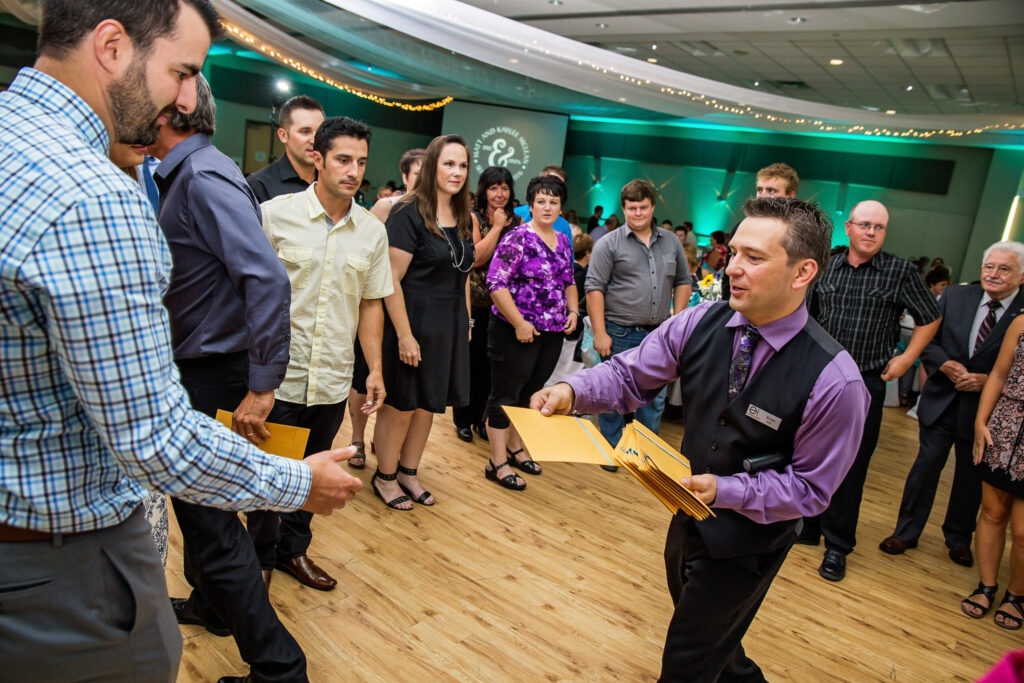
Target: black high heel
pixel 424 497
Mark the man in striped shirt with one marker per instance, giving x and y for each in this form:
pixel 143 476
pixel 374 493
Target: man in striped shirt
pixel 859 301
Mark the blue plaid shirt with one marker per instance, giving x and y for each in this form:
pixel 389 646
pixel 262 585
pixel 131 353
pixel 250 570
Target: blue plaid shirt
pixel 92 412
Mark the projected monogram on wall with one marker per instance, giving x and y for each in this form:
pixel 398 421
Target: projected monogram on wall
pixel 502 146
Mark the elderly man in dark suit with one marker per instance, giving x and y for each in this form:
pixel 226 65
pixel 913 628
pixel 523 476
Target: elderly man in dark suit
pixel 958 360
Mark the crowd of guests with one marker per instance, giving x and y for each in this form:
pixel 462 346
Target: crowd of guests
pixel 283 299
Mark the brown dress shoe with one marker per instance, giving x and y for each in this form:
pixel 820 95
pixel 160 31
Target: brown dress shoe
pixel 268 574
pixel 307 573
pixel 896 546
pixel 962 555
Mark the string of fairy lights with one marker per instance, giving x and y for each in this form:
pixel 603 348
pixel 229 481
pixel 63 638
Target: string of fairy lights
pixel 274 53
pixel 243 36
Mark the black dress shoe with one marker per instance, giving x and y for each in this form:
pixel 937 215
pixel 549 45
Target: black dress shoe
pixel 465 433
pixel 833 566
pixel 184 615
pixel 481 431
pixel 962 555
pixel 896 546
pixel 235 679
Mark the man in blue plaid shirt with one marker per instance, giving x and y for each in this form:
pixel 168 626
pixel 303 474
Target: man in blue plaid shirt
pixel 92 412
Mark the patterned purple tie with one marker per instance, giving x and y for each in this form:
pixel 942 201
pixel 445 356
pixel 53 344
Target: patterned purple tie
pixel 987 324
pixel 740 367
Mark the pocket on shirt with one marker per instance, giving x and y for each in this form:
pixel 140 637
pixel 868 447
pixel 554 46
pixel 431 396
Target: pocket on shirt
pixel 298 263
pixel 355 275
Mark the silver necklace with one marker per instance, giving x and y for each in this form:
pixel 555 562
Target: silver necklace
pixel 457 265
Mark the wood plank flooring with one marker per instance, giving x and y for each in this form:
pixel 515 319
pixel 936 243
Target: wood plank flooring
pixel 565 582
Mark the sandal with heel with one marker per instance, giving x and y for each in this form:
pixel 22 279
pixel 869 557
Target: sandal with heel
pixel 424 497
pixel 988 591
pixel 394 502
pixel 358 459
pixel 527 465
pixel 509 481
pixel 1011 622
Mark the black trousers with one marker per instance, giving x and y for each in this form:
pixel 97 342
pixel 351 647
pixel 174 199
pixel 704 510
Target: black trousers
pixel 517 369
pixel 922 481
pixel 276 541
pixel 479 373
pixel 715 601
pixel 220 561
pixel 839 521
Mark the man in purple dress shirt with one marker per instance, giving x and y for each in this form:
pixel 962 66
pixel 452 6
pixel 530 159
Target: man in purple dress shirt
pixel 771 429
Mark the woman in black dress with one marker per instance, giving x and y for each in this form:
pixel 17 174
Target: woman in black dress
pixel 493 211
pixel 425 353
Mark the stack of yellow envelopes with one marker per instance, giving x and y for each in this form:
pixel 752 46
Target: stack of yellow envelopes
pixel 566 438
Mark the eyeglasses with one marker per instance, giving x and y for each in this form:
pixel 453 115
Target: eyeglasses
pixel 867 227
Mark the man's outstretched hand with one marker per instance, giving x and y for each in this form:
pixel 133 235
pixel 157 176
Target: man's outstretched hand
pixel 554 400
pixel 332 486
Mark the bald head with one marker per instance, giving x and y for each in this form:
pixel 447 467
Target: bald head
pixel 867 227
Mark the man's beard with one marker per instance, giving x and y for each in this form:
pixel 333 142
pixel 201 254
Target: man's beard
pixel 133 109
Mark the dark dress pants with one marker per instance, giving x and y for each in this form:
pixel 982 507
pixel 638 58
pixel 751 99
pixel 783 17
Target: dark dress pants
pixel 923 480
pixel 715 600
pixel 479 373
pixel 292 535
pixel 839 522
pixel 220 561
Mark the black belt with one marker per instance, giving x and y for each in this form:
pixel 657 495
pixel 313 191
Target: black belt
pixel 14 534
pixel 642 328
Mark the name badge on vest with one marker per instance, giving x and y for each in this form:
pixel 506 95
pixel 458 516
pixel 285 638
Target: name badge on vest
pixel 764 417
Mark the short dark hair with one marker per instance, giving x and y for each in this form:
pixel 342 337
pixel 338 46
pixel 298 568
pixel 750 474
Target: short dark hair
pixel 293 103
pixel 557 170
pixel 936 275
pixel 582 245
pixel 598 208
pixel 337 127
pixel 202 119
pixel 637 191
pixel 808 228
pixel 681 227
pixel 64 23
pixel 718 236
pixel 545 184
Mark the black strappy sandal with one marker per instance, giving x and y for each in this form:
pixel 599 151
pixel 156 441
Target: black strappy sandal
pixel 1011 622
pixel 394 502
pixel 988 591
pixel 424 497
pixel 527 465
pixel 509 481
pixel 360 453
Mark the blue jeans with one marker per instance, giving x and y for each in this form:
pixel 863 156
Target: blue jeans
pixel 623 339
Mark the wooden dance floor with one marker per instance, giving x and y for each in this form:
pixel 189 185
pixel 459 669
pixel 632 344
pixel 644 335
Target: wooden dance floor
pixel 565 581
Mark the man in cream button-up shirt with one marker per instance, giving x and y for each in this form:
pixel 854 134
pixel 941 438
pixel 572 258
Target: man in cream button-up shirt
pixel 336 255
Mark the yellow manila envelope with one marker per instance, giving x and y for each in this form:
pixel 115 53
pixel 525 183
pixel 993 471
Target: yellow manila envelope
pixel 659 467
pixel 285 440
pixel 560 438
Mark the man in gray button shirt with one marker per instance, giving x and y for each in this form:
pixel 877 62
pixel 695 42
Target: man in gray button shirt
pixel 636 277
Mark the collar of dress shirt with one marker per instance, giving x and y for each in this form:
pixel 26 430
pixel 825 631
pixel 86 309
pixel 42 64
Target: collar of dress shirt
pixel 779 332
pixel 181 152
pixel 316 209
pixel 875 261
pixel 1006 300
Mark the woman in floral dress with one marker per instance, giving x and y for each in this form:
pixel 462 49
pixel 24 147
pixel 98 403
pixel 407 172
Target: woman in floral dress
pixel 999 451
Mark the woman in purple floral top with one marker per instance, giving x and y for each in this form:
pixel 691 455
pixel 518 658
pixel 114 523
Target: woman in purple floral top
pixel 535 305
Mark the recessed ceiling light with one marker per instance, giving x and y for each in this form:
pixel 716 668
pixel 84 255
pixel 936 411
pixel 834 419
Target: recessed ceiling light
pixel 514 60
pixel 890 112
pixel 798 20
pixel 757 83
pixel 283 85
pixel 654 46
pixel 835 62
pixel 602 25
pixel 652 60
pixel 910 88
pixel 622 99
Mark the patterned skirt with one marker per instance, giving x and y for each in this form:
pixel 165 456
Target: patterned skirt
pixel 1002 464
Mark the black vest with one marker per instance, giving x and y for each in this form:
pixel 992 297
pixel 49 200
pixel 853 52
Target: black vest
pixel 720 435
